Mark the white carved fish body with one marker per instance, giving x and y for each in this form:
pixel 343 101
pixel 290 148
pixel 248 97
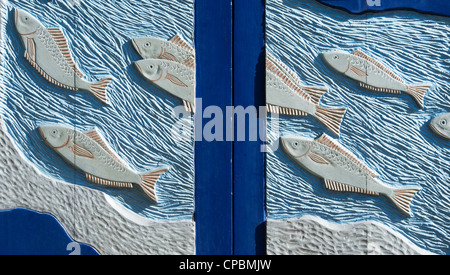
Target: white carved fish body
pixel 172 77
pixel 90 153
pixel 180 54
pixel 373 75
pixel 96 161
pixel 342 170
pixel 48 52
pixel 50 59
pixel 366 72
pixel 176 49
pixel 279 94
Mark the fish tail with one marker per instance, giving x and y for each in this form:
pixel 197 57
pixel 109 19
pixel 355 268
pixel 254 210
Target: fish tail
pixel 418 92
pixel 331 117
pixel 149 181
pixel 316 93
pixel 403 197
pixel 99 89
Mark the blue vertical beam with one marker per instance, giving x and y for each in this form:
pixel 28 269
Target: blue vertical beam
pixel 213 160
pixel 249 160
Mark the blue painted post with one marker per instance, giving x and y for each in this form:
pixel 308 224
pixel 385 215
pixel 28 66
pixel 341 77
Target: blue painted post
pixel 213 160
pixel 249 160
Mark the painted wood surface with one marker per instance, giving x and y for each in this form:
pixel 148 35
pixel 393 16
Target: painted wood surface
pixel 213 159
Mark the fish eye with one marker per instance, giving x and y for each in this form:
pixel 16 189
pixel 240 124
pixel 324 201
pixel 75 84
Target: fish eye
pixel 54 132
pixel 336 57
pixel 147 44
pixel 26 18
pixel 295 144
pixel 443 122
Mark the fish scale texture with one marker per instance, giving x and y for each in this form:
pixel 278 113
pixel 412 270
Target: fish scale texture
pixel 83 212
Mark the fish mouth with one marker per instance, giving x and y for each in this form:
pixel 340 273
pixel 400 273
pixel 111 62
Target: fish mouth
pixel 16 15
pixel 133 41
pixel 139 68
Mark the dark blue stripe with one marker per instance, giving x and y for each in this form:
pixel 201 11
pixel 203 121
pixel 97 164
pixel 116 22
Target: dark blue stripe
pixel 213 160
pixel 26 232
pixel 249 160
pixel 441 7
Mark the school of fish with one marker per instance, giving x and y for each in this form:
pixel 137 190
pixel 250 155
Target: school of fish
pixel 170 65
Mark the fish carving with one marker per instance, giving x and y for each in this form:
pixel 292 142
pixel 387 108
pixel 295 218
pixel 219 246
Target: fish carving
pixel 286 96
pixel 175 49
pixel 373 75
pixel 342 170
pixel 48 52
pixel 90 153
pixel 441 125
pixel 172 77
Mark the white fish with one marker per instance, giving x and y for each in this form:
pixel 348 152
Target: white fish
pixel 176 49
pixel 48 52
pixel 441 125
pixel 371 74
pixel 171 76
pixel 284 95
pixel 90 153
pixel 342 170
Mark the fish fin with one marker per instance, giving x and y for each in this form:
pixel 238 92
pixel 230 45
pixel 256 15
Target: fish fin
pixel 418 92
pixel 100 140
pixel 331 143
pixel 284 111
pixel 279 71
pixel 378 64
pixel 63 46
pixel 179 41
pixel 341 187
pixel 316 93
pixel 149 181
pixel 358 72
pixel 189 106
pixel 81 151
pixel 31 50
pixel 99 89
pixel 403 197
pixel 318 158
pixel 376 89
pixel 190 63
pixel 168 56
pixel 331 117
pixel 175 80
pixel 110 183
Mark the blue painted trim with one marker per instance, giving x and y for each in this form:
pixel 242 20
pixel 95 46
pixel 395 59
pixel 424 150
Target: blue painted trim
pixel 213 160
pixel 249 160
pixel 26 232
pixel 440 7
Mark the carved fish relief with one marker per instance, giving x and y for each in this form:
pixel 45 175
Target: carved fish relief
pixel 175 49
pixel 172 77
pixel 373 75
pixel 342 170
pixel 90 153
pixel 48 52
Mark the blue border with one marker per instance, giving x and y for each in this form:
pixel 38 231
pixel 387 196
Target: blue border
pixel 249 161
pixel 26 232
pixel 439 7
pixel 213 160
